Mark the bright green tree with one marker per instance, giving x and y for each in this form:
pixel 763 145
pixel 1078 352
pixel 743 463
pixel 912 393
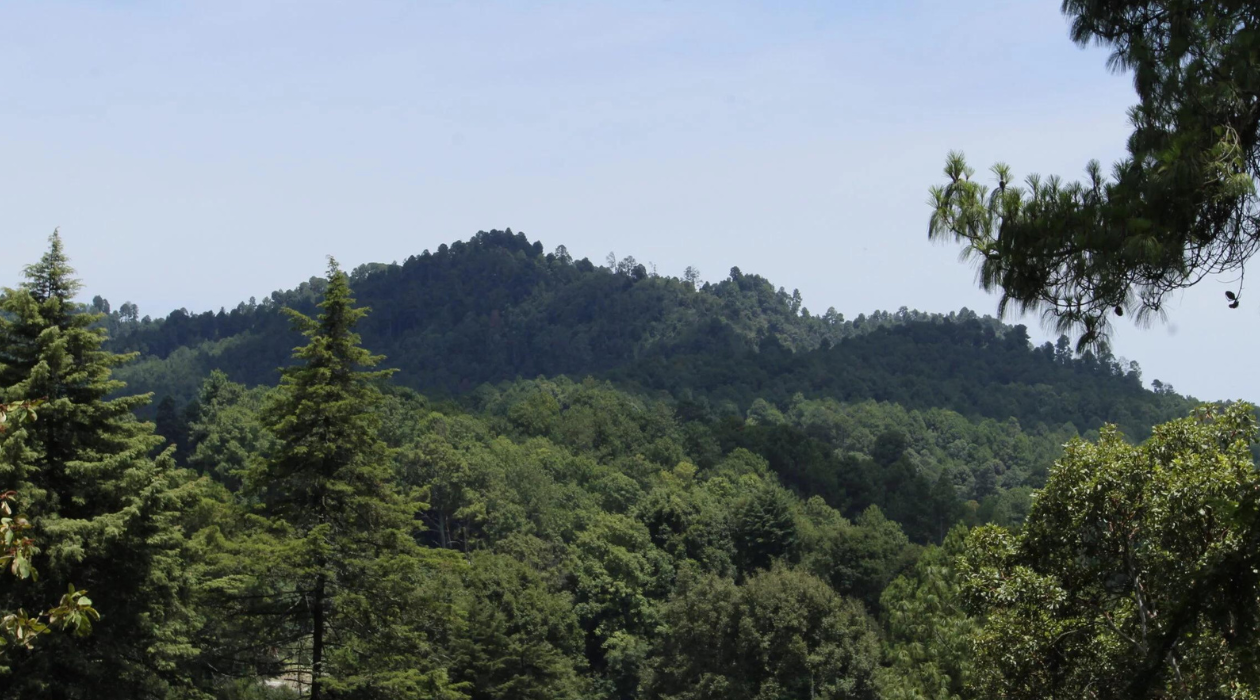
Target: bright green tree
pixel 764 528
pixel 784 634
pixel 1182 205
pixel 619 577
pixel 225 431
pixel 106 513
pixel 1136 574
pixel 520 640
pixel 799 639
pixel 695 656
pixel 858 559
pixel 928 644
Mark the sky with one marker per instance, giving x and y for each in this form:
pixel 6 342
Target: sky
pixel 195 154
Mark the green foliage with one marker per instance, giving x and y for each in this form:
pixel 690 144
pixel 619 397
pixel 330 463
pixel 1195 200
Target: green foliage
pixel 334 565
pixel 928 648
pixel 619 578
pixel 495 308
pixel 107 513
pixel 564 527
pixel 858 559
pixel 1136 575
pixel 1180 207
pixel 764 526
pixel 73 613
pixel 521 637
pixel 225 433
pixel 723 514
pixel 782 634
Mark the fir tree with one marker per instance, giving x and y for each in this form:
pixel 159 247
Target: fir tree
pixel 19 629
pixel 338 563
pixel 104 510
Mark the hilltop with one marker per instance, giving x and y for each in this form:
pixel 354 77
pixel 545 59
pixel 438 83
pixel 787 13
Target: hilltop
pixel 498 307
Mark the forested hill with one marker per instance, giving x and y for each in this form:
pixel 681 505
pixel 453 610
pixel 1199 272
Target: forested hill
pixel 498 307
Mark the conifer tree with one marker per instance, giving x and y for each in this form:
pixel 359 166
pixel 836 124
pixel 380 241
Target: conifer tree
pixel 18 628
pixel 104 511
pixel 1180 208
pixel 339 563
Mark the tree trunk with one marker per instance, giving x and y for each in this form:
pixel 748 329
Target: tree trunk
pixel 317 640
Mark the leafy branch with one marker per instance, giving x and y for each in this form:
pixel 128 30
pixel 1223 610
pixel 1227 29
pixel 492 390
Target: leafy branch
pixel 74 612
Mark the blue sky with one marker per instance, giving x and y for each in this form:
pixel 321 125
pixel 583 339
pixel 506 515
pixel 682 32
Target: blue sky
pixel 195 154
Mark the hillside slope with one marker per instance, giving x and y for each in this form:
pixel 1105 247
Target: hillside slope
pixel 497 308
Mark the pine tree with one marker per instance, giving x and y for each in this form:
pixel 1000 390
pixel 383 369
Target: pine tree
pixel 105 512
pixel 1179 208
pixel 339 563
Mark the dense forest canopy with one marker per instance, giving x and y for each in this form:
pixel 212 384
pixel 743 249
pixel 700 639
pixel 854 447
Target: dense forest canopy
pixel 496 473
pixel 497 308
pixel 711 495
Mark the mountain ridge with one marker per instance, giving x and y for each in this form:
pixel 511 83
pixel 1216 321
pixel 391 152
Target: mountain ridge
pixel 497 307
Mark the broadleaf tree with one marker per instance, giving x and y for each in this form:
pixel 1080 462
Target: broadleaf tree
pixel 1136 574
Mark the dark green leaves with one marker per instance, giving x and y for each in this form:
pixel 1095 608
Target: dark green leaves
pixel 1180 207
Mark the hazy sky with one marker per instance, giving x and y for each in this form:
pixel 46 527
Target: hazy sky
pixel 195 154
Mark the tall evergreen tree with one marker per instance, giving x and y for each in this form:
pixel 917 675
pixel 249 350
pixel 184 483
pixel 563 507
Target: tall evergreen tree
pixel 339 562
pixel 105 512
pixel 19 628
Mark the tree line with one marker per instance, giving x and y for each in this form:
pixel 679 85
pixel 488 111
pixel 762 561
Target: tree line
pixel 496 308
pixel 337 535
